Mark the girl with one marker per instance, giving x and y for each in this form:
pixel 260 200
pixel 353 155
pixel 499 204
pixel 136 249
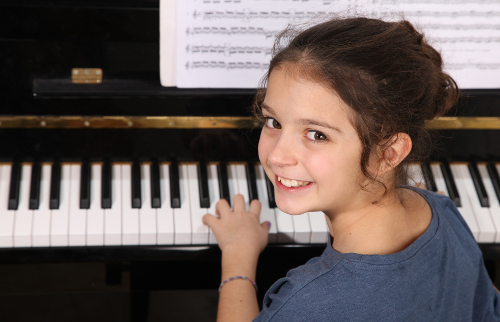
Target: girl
pixel 344 110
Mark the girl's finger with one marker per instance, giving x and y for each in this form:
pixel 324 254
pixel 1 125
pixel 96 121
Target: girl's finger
pixel 222 207
pixel 209 220
pixel 239 203
pixel 255 206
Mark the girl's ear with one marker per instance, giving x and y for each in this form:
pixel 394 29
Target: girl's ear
pixel 399 147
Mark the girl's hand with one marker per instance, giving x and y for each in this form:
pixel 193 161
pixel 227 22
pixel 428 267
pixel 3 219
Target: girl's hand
pixel 239 230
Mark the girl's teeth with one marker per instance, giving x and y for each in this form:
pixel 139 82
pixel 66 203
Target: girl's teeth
pixel 292 183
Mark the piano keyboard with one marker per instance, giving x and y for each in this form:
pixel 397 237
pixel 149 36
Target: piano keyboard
pixel 473 187
pixel 96 204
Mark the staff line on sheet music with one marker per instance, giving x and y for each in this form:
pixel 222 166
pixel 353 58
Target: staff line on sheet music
pixel 482 66
pixel 454 2
pixel 240 1
pixel 228 50
pixel 374 1
pixel 224 65
pixel 232 31
pixel 479 40
pixel 248 15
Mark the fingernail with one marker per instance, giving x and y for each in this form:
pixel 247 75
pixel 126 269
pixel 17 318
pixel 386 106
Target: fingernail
pixel 268 224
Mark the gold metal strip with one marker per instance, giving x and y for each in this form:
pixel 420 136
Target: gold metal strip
pixel 465 123
pixel 126 122
pixel 201 122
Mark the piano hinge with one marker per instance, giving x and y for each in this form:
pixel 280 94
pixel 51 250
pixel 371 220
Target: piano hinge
pixel 203 122
pixel 86 76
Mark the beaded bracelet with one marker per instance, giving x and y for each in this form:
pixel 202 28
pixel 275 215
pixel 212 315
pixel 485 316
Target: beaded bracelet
pixel 237 278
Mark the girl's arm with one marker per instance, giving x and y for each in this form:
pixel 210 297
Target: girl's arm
pixel 241 239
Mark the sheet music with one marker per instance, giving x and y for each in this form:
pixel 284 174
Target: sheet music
pixel 227 43
pixel 168 62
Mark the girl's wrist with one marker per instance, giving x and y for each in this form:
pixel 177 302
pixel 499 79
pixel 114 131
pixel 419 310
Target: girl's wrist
pixel 234 263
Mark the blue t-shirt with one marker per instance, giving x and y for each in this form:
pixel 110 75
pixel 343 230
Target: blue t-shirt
pixel 440 277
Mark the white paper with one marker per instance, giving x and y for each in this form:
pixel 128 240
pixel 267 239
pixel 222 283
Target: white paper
pixel 168 60
pixel 227 43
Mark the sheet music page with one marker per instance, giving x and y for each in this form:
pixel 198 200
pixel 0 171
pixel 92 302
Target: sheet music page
pixel 227 43
pixel 168 62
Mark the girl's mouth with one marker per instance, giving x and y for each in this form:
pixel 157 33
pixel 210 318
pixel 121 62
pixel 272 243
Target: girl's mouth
pixel 290 183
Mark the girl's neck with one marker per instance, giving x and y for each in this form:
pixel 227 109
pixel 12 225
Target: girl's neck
pixel 386 227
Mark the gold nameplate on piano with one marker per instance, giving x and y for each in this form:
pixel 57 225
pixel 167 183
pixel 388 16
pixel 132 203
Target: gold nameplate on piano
pixel 86 76
pixel 203 122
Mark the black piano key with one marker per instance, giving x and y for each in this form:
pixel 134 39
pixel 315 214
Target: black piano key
pixel 155 184
pixel 270 193
pixel 495 179
pixel 55 185
pixel 106 185
pixel 450 184
pixel 223 182
pixel 175 190
pixel 35 186
pixel 428 177
pixel 15 181
pixel 136 185
pixel 85 185
pixel 203 185
pixel 251 181
pixel 479 185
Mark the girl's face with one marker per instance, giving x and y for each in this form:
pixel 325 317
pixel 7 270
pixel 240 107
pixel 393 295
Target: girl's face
pixel 309 147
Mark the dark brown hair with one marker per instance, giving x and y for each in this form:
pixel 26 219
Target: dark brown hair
pixel 385 71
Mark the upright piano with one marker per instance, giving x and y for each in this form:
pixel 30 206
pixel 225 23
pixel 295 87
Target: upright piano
pixel 121 171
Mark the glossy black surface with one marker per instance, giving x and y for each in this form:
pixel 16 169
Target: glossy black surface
pixel 85 185
pixel 15 178
pixel 43 40
pixel 35 186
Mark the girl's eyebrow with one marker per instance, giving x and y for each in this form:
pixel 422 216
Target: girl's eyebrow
pixel 321 124
pixel 270 110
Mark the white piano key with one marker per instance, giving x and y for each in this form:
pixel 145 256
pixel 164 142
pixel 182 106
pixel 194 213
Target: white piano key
pixel 147 214
pixel 60 217
pixel 198 229
pixel 241 181
pixel 165 214
pixel 415 174
pixel 95 214
pixel 266 213
pixel 466 210
pixel 213 193
pixel 301 229
pixel 6 215
pixel 41 217
pixel 285 227
pixel 484 221
pixel 182 215
pixel 494 208
pixel 319 227
pixel 113 216
pixel 130 216
pixel 23 221
pixel 438 178
pixel 232 182
pixel 77 216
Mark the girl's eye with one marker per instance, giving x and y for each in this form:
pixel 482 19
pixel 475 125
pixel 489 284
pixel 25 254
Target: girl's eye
pixel 272 123
pixel 316 136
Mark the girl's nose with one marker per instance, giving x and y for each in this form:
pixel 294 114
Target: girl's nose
pixel 284 152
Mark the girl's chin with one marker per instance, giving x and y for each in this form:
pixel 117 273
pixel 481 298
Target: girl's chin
pixel 291 209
